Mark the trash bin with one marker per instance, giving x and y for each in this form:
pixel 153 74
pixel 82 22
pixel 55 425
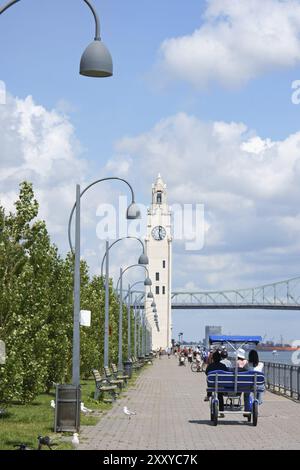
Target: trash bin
pixel 67 408
pixel 128 368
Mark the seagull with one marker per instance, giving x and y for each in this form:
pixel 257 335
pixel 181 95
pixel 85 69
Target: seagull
pixel 128 412
pixel 52 403
pixel 84 409
pixel 75 440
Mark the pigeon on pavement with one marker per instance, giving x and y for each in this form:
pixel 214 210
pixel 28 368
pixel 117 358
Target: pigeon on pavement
pixel 45 441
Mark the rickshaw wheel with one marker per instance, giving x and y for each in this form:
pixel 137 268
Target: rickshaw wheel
pixel 255 412
pixel 215 412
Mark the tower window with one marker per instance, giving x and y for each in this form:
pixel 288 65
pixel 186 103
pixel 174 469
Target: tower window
pixel 163 289
pixel 159 197
pixel 157 290
pixel 157 276
pixel 164 263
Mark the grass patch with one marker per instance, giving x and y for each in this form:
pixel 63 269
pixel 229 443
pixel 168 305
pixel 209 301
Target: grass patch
pixel 23 423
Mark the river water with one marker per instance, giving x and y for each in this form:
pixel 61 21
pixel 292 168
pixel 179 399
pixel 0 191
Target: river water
pixel 281 357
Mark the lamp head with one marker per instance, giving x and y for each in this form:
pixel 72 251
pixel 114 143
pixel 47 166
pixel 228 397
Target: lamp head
pixel 133 211
pixel 147 281
pixel 155 310
pixel 143 259
pixel 96 60
pixel 153 304
pixel 150 295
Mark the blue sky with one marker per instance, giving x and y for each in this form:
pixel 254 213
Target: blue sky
pixel 156 102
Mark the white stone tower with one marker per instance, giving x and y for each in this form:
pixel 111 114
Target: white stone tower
pixel 158 244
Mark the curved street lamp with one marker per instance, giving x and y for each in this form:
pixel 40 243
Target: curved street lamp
pixel 96 60
pixel 131 212
pixel 147 282
pixel 143 259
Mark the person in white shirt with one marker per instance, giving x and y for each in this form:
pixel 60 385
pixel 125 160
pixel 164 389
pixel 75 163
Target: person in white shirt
pixel 253 361
pixel 254 364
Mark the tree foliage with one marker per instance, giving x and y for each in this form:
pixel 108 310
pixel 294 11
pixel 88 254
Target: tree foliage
pixel 36 307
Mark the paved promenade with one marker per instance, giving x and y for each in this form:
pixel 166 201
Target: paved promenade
pixel 171 414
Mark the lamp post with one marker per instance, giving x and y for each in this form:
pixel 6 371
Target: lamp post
pixel 137 299
pixel 143 259
pixel 129 302
pixel 132 213
pixel 147 282
pixel 96 60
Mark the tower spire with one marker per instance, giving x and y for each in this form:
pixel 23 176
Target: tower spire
pixel 159 191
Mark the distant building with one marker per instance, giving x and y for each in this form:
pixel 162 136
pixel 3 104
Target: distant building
pixel 211 330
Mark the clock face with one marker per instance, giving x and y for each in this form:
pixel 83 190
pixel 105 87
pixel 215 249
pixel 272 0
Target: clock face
pixel 159 232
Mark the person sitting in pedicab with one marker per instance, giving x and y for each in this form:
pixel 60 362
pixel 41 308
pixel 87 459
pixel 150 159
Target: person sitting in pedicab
pixel 241 360
pixel 255 365
pixel 225 360
pixel 216 365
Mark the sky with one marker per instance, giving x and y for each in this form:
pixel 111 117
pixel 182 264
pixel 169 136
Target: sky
pixel 202 93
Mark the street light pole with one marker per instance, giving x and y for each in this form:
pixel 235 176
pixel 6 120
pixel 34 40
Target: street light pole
pixel 135 328
pixel 147 282
pixel 129 324
pixel 143 259
pixel 106 321
pixel 133 212
pixel 76 313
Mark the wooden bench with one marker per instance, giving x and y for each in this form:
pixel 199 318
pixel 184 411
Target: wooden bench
pixel 102 386
pixel 136 364
pixel 117 374
pixel 111 379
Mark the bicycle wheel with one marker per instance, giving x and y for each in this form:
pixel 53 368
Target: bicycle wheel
pixel 215 412
pixel 255 413
pixel 194 367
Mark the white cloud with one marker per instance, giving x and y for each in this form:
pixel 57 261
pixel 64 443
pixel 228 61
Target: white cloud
pixel 249 187
pixel 237 41
pixel 40 146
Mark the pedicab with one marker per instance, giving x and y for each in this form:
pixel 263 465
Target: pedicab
pixel 229 386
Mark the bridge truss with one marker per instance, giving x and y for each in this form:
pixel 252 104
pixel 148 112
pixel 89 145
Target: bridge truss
pixel 283 295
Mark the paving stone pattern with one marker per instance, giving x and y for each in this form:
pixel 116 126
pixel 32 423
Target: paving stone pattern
pixel 171 414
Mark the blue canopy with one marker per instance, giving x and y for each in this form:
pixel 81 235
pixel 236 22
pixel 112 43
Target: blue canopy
pixel 234 339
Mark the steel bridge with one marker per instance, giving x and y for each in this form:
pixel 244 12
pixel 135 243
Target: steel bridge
pixel 283 295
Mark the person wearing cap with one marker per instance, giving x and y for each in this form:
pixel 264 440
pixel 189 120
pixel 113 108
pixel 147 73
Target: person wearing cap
pixel 241 359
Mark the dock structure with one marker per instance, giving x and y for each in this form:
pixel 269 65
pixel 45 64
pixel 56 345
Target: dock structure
pixel 171 414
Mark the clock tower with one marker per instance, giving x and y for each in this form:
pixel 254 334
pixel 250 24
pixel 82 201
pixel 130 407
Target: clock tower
pixel 158 244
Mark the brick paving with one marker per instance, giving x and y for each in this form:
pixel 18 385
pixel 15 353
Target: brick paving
pixel 171 414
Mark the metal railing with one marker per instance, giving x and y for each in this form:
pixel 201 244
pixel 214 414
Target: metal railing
pixel 283 379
